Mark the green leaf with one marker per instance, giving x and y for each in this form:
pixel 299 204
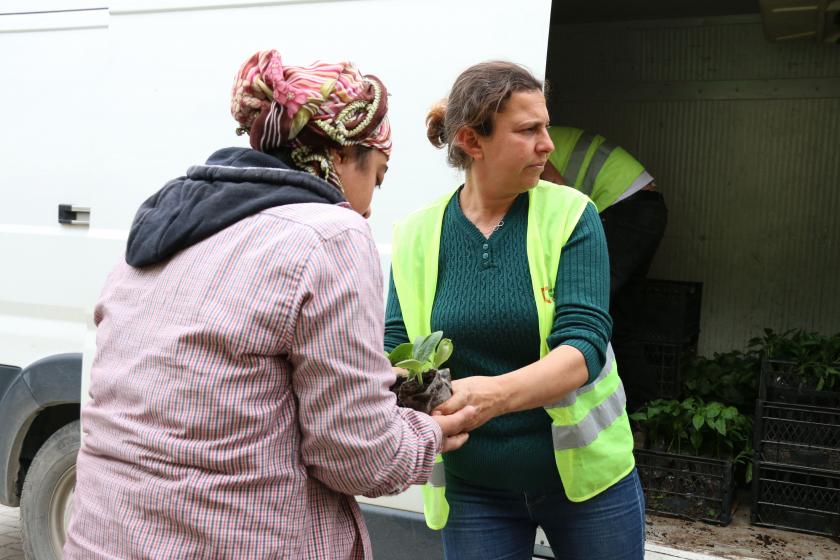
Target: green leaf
pixel 638 416
pixel 443 352
pixel 426 347
pixel 400 353
pixel 414 366
pixel 749 472
pixel 696 440
pixel 720 425
pixel 698 421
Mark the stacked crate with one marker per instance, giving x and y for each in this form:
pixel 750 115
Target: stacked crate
pixel 675 485
pixel 668 332
pixel 796 473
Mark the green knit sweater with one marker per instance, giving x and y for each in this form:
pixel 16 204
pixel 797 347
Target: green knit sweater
pixel 484 302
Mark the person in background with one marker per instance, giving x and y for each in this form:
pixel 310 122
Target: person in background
pixel 515 271
pixel 634 217
pixel 239 394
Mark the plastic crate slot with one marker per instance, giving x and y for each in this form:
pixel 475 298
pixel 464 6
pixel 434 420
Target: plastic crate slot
pixel 796 498
pixel 798 435
pixel 685 486
pixel 781 382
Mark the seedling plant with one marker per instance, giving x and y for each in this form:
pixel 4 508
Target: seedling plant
pixel 425 385
pixel 698 428
pixel 426 354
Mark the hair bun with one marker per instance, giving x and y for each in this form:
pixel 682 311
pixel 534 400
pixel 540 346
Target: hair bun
pixel 435 124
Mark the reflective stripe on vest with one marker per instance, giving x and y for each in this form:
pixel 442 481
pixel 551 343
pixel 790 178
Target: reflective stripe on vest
pixel 584 430
pixel 435 506
pixel 572 170
pixel 596 164
pixel 438 473
pixel 592 430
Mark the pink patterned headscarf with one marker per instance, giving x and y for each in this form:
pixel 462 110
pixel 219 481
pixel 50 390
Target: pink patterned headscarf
pixel 309 109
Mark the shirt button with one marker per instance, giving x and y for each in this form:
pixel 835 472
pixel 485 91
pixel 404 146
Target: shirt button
pixel 485 246
pixel 485 256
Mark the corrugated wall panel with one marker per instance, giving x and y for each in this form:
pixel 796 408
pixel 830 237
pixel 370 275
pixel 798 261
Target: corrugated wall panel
pixel 752 185
pixel 717 49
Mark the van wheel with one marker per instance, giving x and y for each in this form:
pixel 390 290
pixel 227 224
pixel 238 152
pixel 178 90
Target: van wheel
pixel 47 499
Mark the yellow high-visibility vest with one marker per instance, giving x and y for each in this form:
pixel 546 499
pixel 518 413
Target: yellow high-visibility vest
pixel 593 165
pixel 593 444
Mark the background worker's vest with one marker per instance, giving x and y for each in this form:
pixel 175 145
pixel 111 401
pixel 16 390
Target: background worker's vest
pixel 593 445
pixel 595 167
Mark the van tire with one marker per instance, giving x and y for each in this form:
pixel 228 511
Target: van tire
pixel 47 497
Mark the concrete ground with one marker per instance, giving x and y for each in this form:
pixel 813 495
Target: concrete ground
pixel 695 541
pixel 10 545
pixel 737 541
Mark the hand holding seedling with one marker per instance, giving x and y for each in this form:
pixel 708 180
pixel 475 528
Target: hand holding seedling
pixel 455 427
pixel 481 392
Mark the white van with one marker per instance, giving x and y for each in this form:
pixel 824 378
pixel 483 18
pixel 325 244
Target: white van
pixel 103 101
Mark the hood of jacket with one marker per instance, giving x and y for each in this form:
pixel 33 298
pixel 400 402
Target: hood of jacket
pixel 234 183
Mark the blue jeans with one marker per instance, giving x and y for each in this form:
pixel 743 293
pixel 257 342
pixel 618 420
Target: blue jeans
pixel 486 524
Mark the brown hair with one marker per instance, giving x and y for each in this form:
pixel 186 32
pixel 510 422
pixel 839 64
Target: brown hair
pixel 479 93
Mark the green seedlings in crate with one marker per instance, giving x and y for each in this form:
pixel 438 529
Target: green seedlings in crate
pixel 816 357
pixel 729 377
pixel 698 428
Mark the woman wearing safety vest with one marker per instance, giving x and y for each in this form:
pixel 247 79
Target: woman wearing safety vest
pixel 515 271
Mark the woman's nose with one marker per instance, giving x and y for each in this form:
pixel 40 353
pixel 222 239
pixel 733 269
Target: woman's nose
pixel 544 144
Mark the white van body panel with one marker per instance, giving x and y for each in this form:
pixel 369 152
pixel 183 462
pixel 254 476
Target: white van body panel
pixel 54 128
pixel 113 101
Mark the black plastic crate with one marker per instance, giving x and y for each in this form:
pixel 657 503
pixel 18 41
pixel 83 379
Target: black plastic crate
pixel 795 498
pixel 804 436
pixel 664 362
pixel 694 488
pixel 781 382
pixel 671 311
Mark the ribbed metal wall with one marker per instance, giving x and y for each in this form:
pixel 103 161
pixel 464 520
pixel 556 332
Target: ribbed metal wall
pixel 743 138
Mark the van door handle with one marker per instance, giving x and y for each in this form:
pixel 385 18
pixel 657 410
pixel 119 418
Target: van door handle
pixel 73 215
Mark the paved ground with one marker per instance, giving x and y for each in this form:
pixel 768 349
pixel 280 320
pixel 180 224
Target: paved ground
pixel 738 541
pixel 10 546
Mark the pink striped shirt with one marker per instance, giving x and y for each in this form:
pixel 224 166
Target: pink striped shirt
pixel 239 399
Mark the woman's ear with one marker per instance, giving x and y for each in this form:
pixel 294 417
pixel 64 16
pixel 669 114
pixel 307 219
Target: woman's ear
pixel 337 155
pixel 339 159
pixel 467 139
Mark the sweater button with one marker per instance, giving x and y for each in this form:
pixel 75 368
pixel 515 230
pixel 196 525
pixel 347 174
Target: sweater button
pixel 485 246
pixel 485 256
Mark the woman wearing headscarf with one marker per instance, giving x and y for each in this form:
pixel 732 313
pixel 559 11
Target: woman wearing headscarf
pixel 239 395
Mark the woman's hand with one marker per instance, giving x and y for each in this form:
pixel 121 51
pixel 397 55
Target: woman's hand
pixel 455 427
pixel 482 392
